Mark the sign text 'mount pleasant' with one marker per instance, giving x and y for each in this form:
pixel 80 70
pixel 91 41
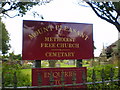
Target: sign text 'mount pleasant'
pixel 56 40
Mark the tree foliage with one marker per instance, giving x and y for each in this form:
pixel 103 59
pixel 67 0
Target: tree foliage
pixel 109 11
pixel 4 36
pixel 19 8
pixel 12 56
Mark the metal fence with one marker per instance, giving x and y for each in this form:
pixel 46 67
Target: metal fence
pixel 94 84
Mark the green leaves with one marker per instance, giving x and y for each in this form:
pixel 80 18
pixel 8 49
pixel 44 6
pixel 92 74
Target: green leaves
pixel 19 8
pixel 4 36
pixel 9 68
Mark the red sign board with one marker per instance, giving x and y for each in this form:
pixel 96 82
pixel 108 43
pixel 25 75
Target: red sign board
pixel 56 40
pixel 68 73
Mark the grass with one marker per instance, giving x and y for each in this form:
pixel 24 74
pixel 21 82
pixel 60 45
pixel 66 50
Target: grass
pixel 86 65
pixel 66 65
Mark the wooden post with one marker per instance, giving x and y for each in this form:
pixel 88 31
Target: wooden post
pixel 79 63
pixel 15 80
pixel 118 57
pixel 37 63
pixel 3 81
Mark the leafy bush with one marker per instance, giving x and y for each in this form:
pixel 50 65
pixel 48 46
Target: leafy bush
pixel 23 79
pixel 108 69
pixel 9 69
pixel 98 71
pixel 26 66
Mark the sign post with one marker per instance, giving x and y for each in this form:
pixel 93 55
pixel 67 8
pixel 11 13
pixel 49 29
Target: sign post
pixel 37 63
pixel 79 63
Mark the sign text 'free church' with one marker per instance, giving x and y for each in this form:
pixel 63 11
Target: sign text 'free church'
pixel 44 40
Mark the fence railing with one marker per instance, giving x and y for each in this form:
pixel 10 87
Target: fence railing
pixel 94 84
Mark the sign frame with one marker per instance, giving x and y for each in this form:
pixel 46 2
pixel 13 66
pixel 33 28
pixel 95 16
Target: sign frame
pixel 45 74
pixel 43 40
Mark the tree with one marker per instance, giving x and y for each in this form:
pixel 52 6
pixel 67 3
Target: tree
pixel 12 56
pixel 109 11
pixel 52 63
pixel 4 36
pixel 109 51
pixel 20 8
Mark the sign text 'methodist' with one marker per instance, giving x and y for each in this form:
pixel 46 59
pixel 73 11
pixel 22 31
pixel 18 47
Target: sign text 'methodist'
pixel 56 40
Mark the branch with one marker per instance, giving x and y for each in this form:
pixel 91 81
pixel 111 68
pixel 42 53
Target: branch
pixel 110 16
pixel 117 16
pixel 10 16
pixel 107 9
pixel 5 10
pixel 110 21
pixel 22 7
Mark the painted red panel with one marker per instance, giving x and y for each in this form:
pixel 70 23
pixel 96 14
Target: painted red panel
pixel 56 40
pixel 57 72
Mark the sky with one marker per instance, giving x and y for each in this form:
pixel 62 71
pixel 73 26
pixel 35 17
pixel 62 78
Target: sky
pixel 104 33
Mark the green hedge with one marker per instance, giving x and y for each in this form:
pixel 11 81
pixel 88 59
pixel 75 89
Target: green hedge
pixel 11 67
